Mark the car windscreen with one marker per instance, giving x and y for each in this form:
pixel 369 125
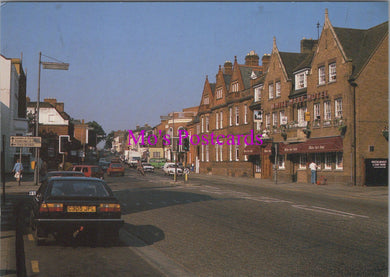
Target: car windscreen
pixel 78 188
pixel 116 165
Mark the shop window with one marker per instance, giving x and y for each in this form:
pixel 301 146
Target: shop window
pixel 258 166
pixel 328 161
pixel 318 160
pixel 302 161
pixel 339 160
pixel 281 164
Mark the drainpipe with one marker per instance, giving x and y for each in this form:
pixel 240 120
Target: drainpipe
pixel 354 85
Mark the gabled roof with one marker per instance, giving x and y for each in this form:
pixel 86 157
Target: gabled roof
pixel 246 73
pixel 291 61
pixel 359 45
pixel 306 63
pixel 64 115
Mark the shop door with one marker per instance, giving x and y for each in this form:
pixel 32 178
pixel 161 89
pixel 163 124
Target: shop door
pixel 266 167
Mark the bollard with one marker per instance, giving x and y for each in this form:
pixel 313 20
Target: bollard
pixel 186 177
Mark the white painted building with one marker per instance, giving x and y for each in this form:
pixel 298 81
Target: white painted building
pixel 13 121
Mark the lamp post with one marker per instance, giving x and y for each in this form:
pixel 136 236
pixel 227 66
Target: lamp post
pixel 46 65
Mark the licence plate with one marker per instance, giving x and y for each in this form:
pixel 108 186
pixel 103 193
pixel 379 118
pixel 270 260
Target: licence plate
pixel 81 209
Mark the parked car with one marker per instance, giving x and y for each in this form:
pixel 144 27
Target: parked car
pixel 90 170
pixel 52 174
pixel 117 168
pixel 148 167
pixel 171 169
pixel 157 162
pixel 71 205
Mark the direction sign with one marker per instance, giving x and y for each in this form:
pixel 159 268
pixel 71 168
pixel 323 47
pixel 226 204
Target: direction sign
pixel 19 141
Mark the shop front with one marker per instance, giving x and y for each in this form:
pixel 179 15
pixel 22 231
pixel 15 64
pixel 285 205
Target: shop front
pixel 326 152
pixel 259 156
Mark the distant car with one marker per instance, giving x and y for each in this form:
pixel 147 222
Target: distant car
pixel 148 167
pixel 90 170
pixel 52 174
pixel 71 205
pixel 116 168
pixel 171 169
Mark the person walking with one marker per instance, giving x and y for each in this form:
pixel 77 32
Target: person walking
pixel 18 170
pixel 140 168
pixel 313 168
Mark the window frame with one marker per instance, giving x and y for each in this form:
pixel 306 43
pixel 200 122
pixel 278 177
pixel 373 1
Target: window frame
pixel 321 75
pixel 332 72
pixel 270 91
pixel 278 89
pixel 338 107
pixel 327 110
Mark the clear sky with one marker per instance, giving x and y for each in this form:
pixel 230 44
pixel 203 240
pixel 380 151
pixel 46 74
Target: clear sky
pixel 131 62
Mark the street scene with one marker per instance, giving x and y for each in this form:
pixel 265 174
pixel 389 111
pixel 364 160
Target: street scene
pixel 221 227
pixel 194 139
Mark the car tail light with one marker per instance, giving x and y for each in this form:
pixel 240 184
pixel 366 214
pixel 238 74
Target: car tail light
pixel 110 207
pixel 51 207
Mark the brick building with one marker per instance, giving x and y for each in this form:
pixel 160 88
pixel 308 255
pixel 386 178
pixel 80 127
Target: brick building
pixel 327 104
pixel 224 119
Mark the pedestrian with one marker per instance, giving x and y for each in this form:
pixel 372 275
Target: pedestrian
pixel 313 168
pixel 18 170
pixel 140 168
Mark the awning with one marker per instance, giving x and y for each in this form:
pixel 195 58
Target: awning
pixel 314 145
pixel 252 150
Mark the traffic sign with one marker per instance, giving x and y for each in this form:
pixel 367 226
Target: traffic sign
pixel 19 141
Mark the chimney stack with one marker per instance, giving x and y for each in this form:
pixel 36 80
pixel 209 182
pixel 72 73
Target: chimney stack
pixel 265 60
pixel 228 68
pixel 308 45
pixel 252 59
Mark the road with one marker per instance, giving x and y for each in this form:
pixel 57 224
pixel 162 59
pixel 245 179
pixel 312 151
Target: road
pixel 218 227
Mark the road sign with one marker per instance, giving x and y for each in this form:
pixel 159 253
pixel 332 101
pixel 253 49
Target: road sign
pixel 19 141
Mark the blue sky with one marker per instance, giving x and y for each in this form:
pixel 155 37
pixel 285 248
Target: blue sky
pixel 132 62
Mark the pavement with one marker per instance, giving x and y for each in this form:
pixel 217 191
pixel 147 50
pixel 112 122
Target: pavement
pixel 14 193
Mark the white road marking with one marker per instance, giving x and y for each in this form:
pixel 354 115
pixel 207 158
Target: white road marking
pixel 327 211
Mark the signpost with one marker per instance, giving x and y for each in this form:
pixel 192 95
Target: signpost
pixel 20 141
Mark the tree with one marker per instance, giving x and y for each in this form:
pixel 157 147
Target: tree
pixel 96 133
pixel 109 139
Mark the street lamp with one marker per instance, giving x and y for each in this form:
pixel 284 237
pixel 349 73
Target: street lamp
pixel 46 65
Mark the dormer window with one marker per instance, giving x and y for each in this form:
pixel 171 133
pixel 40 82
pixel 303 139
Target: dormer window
pixel 301 80
pixel 235 87
pixel 332 72
pixel 219 93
